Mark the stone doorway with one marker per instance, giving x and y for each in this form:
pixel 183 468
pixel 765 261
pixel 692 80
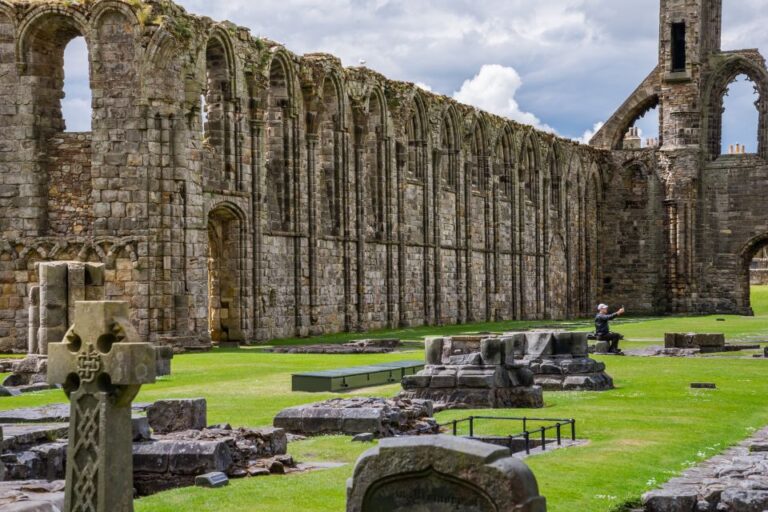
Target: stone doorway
pixel 225 257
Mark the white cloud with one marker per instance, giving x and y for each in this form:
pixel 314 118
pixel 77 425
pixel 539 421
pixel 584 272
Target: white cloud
pixel 588 134
pixel 493 89
pixel 423 86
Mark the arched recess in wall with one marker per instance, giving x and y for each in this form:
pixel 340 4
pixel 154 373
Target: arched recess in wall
pixel 717 88
pixel 447 152
pixel 280 146
pixel 574 240
pixel 226 271
pixel 555 172
pixel 375 168
pixel 529 227
pixel 477 161
pixel 331 170
pixel 505 164
pixel 43 36
pixel 218 108
pixel 416 135
pixel 593 201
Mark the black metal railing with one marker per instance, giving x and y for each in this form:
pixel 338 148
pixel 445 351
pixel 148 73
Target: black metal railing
pixel 539 436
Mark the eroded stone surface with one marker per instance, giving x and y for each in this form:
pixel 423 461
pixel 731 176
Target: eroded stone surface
pixel 734 481
pixel 441 474
pixel 351 416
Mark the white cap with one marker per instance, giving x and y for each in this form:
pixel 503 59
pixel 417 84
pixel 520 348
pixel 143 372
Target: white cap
pixel 602 306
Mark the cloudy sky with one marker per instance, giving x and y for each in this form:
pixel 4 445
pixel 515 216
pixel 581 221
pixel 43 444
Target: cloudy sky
pixel 561 65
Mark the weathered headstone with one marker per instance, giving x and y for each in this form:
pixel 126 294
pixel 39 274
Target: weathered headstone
pixel 441 474
pixel 101 364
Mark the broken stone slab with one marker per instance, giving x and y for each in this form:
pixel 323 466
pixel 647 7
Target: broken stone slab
pixel 167 464
pixel 55 413
pixel 212 480
pixel 670 500
pixel 703 385
pixel 177 415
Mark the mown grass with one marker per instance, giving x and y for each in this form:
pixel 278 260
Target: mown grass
pixel 648 429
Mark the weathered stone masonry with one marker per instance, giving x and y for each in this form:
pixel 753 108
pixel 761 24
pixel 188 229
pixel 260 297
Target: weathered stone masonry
pixel 709 207
pixel 236 191
pixel 309 198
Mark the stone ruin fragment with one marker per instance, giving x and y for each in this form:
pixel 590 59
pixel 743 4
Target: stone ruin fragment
pixel 464 372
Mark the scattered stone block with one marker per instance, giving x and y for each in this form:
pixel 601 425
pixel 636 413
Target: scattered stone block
pixel 364 438
pixel 441 473
pixel 703 385
pixel 177 415
pixel 560 362
pixel 707 343
pixel 212 480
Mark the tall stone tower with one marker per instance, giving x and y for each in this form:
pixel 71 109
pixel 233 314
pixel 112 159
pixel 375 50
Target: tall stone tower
pixel 689 32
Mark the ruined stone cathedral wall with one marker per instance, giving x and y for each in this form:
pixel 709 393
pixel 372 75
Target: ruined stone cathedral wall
pixel 239 191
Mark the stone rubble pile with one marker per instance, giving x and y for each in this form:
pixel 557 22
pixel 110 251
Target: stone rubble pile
pixel 351 416
pixel 172 445
pixel 735 481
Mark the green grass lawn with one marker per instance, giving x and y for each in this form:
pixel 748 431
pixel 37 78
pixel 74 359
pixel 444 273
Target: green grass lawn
pixel 647 430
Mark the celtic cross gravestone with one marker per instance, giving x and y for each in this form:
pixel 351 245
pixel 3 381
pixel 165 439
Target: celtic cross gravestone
pixel 102 364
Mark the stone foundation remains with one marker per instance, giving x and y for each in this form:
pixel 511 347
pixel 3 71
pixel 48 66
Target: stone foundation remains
pixel 734 481
pixel 465 372
pixel 372 346
pixel 352 416
pixel 560 362
pixel 34 446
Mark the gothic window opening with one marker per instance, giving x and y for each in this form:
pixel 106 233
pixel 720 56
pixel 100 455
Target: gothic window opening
pixel 740 117
pixel 375 184
pixel 217 105
pixel 477 162
pixel 416 144
pixel 448 154
pixel 528 172
pixel 556 191
pixel 278 162
pixel 678 47
pixel 505 165
pixel 76 107
pixel 331 184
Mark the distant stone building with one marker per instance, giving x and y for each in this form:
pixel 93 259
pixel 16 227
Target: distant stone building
pixel 235 191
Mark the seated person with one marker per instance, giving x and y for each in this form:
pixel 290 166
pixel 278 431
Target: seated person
pixel 603 331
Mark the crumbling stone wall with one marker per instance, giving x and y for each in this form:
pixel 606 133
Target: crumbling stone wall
pixel 239 192
pixel 707 206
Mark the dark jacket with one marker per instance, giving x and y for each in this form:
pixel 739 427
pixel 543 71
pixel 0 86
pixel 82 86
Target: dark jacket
pixel 601 323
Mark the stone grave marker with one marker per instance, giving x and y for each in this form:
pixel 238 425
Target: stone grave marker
pixel 102 364
pixel 441 474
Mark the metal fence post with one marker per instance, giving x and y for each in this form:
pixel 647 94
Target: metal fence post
pixel 471 426
pixel 527 442
pixel 559 438
pixel 543 439
pixel 573 430
pixel 455 431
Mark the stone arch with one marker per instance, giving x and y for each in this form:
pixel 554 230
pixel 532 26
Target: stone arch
pixel 448 149
pixel 330 127
pixel 593 201
pixel 416 139
pixel 227 228
pixel 105 6
pixel 219 96
pixel 557 272
pixel 281 106
pixel 375 169
pixel 556 181
pixel 720 79
pixel 477 155
pixel 529 226
pixel 746 255
pixel 67 21
pixel 505 162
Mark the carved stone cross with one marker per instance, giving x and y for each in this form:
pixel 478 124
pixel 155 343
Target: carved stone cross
pixel 102 364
